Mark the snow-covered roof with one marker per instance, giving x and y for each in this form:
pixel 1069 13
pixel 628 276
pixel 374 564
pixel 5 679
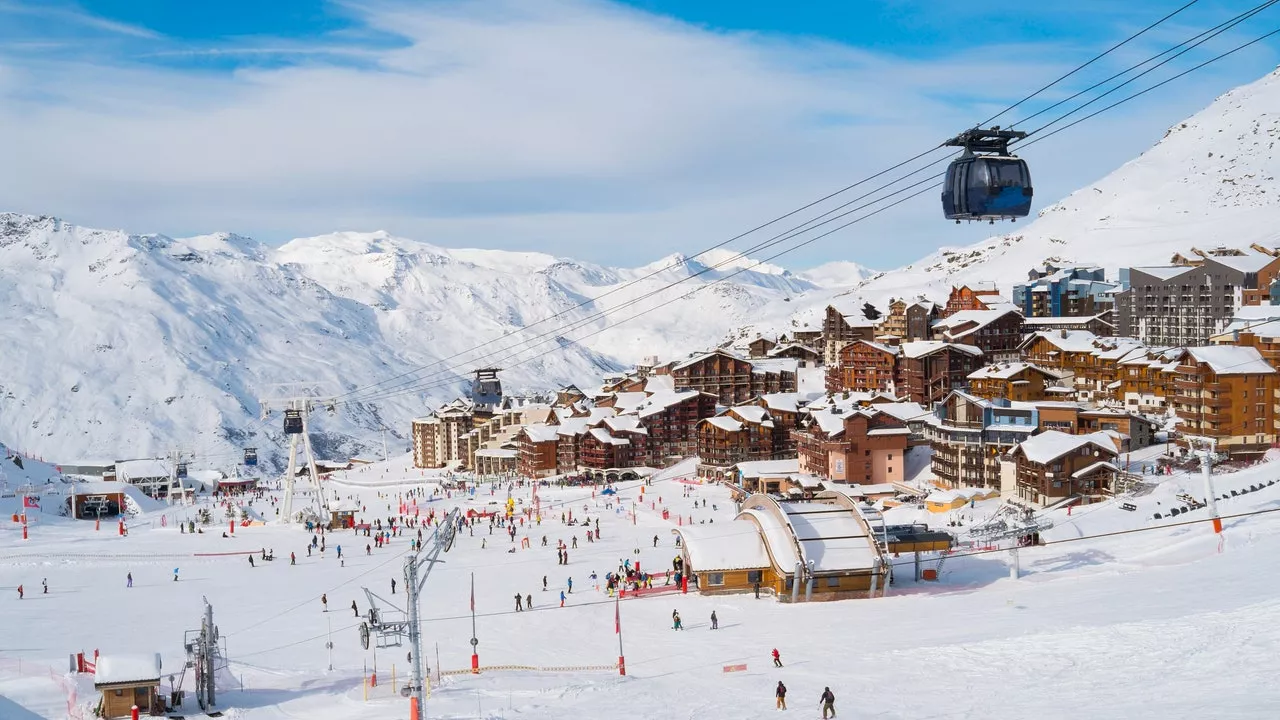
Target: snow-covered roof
pixel 542 433
pixel 887 349
pixel 787 402
pixel 1055 321
pixel 1082 472
pixel 777 537
pixel 724 422
pixel 1164 272
pixel 624 423
pixel 882 432
pixel 113 669
pixel 736 545
pixel 1250 263
pixel 904 411
pixel 791 346
pixel 923 348
pixel 1004 371
pixel 497 453
pixel 978 318
pixel 768 468
pixel 775 365
pixel 834 538
pixel 658 383
pixel 1231 360
pixel 1066 340
pixel 1053 444
pixel 138 469
pixel 751 413
pixel 603 436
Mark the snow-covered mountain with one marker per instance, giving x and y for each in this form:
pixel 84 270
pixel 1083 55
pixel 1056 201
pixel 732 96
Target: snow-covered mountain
pixel 1210 181
pixel 118 345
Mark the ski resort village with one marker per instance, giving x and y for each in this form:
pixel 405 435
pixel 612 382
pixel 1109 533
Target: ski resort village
pixel 358 476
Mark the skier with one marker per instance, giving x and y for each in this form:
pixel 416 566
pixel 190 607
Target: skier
pixel 19 592
pixel 355 610
pixel 528 602
pixel 251 561
pixel 175 574
pixel 544 583
pixel 293 559
pixel 339 549
pixel 368 550
pixel 393 586
pixel 519 602
pixel 45 584
pixel 655 541
pixel 128 580
pixel 678 624
pixel 828 703
pixel 777 659
pixel 561 595
pixel 570 586
pixel 781 694
pixel 715 623
pixel 324 602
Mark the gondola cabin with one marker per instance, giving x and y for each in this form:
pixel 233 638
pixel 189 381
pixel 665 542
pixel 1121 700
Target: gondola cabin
pixel 181 470
pixel 987 182
pixel 251 456
pixel 292 422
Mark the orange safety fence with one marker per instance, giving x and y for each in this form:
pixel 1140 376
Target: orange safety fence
pixel 13 666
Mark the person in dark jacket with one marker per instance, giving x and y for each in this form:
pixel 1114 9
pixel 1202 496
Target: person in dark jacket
pixel 828 703
pixel 781 695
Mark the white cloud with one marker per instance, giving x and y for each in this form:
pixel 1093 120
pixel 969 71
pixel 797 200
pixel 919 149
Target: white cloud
pixel 577 127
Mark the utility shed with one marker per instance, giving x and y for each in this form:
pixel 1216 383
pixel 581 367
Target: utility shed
pixel 128 680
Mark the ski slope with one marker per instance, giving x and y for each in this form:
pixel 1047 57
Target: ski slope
pixel 1133 625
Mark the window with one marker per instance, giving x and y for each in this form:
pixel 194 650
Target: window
pixel 833 582
pixel 715 578
pixel 890 456
pixel 753 576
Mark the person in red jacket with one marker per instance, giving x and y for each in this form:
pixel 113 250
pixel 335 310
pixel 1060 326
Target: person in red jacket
pixel 777 659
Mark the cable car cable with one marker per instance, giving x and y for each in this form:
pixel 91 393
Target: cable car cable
pixel 1095 58
pixel 881 173
pixel 1215 32
pixel 1131 68
pixel 1098 112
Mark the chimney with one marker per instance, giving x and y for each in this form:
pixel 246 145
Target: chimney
pixel 1062 333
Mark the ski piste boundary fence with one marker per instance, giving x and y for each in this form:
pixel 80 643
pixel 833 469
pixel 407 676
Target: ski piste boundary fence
pixel 19 668
pixel 395 685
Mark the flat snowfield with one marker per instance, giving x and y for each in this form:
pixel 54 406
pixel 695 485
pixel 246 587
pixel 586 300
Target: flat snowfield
pixel 1164 622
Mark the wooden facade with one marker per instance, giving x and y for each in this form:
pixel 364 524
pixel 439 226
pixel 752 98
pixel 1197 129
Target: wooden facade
pixel 869 449
pixel 967 298
pixel 1231 402
pixel 739 435
pixel 863 366
pixel 538 451
pixel 1020 382
pixel 840 329
pixel 731 379
pixel 1054 466
pixel 928 371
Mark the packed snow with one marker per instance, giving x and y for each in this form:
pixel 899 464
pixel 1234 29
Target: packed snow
pixel 1168 608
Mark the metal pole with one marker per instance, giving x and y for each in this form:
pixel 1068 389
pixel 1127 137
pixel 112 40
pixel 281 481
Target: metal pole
pixel 415 637
pixel 208 653
pixel 1206 464
pixel 795 583
pixel 1013 560
pixel 329 644
pixel 808 585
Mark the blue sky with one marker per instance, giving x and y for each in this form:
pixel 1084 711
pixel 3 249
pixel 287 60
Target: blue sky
pixel 610 132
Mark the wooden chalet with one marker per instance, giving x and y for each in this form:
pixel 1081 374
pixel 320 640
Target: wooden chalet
pixel 1054 466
